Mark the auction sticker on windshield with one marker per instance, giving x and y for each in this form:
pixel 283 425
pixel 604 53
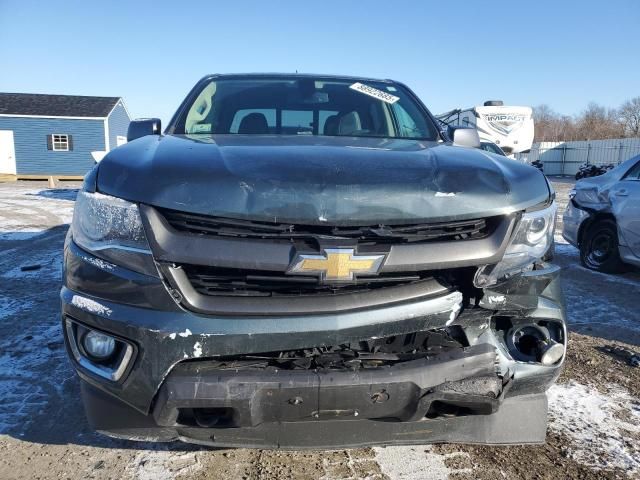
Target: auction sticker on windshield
pixel 374 92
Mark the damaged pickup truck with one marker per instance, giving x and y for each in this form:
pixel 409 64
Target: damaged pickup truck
pixel 307 262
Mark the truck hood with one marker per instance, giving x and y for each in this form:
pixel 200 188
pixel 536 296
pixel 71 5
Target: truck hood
pixel 319 180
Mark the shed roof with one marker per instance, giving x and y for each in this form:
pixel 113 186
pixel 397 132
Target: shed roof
pixel 43 105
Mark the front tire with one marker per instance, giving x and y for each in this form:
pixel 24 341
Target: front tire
pixel 599 248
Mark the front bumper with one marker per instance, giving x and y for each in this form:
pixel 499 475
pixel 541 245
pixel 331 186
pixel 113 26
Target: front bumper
pixel 170 377
pixel 268 418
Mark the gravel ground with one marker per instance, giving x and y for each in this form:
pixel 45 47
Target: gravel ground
pixel 594 428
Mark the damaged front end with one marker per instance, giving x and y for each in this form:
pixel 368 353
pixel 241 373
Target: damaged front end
pixel 455 338
pixel 457 370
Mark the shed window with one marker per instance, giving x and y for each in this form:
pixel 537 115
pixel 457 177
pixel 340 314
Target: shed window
pixel 60 142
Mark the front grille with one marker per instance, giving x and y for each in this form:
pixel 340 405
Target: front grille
pixel 264 279
pixel 255 283
pixel 365 235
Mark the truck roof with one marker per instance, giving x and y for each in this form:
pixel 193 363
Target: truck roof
pixel 296 74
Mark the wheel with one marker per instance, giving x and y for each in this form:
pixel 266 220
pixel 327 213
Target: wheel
pixel 599 248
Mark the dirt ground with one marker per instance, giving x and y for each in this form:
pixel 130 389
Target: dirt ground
pixel 594 419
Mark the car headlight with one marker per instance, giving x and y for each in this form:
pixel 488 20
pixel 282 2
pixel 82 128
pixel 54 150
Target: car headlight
pixel 532 238
pixel 111 228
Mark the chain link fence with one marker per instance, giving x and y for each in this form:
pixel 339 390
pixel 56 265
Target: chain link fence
pixel 565 158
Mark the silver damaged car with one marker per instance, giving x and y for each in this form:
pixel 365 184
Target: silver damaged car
pixel 603 218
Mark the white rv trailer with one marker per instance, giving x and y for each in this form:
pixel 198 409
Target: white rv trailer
pixel 507 126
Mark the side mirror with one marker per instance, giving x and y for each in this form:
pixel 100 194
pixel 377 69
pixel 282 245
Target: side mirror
pixel 464 137
pixel 143 127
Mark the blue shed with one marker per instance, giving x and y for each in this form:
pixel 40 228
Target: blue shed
pixel 58 135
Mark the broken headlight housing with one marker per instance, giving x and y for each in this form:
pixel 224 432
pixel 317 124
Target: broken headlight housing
pixel 111 228
pixel 532 238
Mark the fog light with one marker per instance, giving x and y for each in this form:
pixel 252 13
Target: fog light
pixel 98 345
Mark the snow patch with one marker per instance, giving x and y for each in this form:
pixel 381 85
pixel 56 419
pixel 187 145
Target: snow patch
pixel 49 263
pixel 19 236
pixel 25 212
pixel 9 306
pixel 34 367
pixel 90 306
pixel 566 249
pixel 197 349
pixel 598 424
pixel 416 463
pixel 163 465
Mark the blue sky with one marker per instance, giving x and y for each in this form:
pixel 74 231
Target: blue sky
pixel 452 54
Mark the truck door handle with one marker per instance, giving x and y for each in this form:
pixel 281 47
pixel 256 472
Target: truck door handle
pixel 621 193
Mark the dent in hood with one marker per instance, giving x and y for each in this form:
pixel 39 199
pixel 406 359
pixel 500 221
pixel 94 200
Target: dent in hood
pixel 316 180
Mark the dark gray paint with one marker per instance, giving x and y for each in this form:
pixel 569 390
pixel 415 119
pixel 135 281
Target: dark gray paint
pixel 319 180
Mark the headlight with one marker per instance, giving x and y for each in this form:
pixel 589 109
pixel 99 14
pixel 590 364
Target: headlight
pixel 111 228
pixel 532 238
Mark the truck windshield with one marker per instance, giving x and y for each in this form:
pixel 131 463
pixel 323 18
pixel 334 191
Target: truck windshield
pixel 305 106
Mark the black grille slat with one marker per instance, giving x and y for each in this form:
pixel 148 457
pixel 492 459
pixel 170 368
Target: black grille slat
pixel 376 234
pixel 220 281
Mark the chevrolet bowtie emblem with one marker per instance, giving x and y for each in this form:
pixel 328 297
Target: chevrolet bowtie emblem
pixel 337 265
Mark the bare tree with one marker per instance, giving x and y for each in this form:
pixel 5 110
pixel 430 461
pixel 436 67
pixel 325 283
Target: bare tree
pixel 567 129
pixel 552 127
pixel 630 116
pixel 598 122
pixel 595 122
pixel 543 116
pixel 547 123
